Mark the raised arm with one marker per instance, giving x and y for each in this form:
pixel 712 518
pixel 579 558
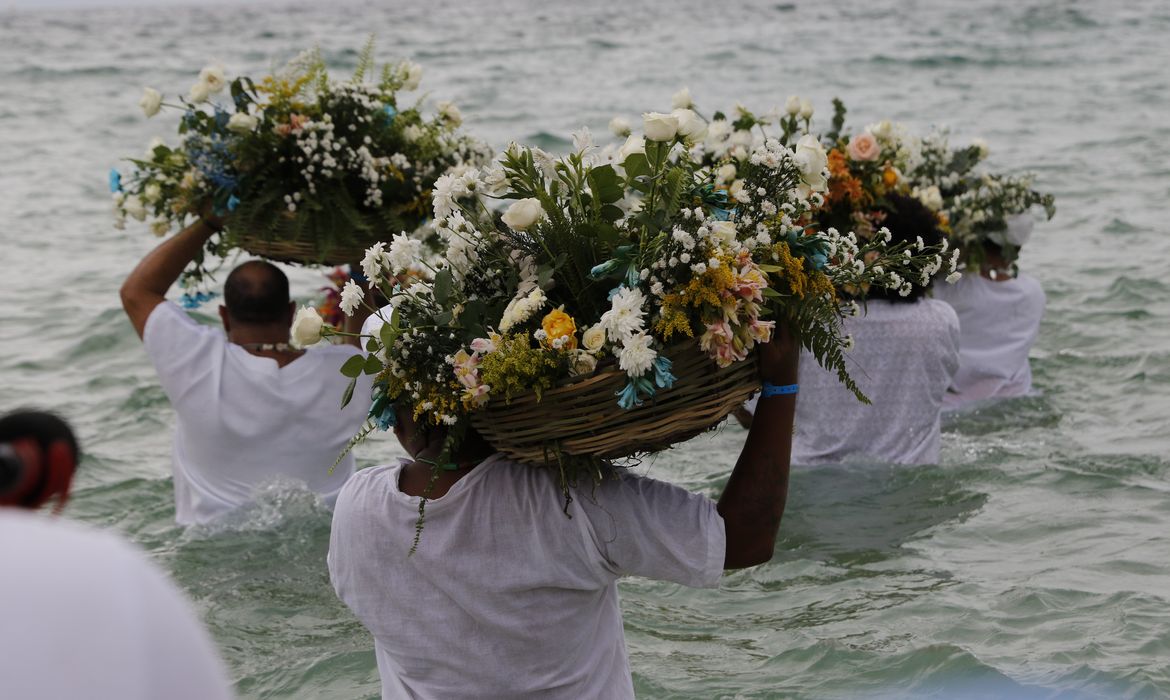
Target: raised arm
pixel 147 285
pixel 753 501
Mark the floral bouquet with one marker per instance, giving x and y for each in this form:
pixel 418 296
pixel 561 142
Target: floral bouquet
pixel 995 208
pixel 309 168
pixel 613 307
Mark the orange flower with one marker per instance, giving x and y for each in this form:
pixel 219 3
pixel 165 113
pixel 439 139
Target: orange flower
pixel 889 176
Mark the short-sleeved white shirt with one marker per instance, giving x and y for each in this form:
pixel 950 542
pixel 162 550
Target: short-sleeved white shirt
pixel 85 615
pixel 998 324
pixel 242 420
pixel 506 596
pixel 903 359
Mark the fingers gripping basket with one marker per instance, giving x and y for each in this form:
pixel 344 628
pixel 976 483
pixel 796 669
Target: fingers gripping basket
pixel 583 418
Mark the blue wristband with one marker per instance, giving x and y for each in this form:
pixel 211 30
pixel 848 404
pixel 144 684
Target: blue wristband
pixel 778 390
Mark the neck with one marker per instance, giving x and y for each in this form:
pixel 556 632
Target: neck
pixel 996 268
pixel 248 335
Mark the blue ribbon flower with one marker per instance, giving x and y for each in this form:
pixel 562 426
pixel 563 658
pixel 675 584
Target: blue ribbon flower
pixel 382 410
pixel 194 301
pixel 390 113
pixel 115 180
pixel 722 214
pixel 233 202
pixel 628 396
pixel 662 374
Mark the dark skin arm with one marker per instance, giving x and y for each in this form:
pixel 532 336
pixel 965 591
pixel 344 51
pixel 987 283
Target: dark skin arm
pixel 147 285
pixel 753 501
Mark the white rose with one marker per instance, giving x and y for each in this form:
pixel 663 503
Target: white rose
pixel 411 75
pixel 931 197
pixel 882 130
pixel 583 364
pixel 523 214
pixel 593 338
pixel 619 126
pixel 134 207
pixel 213 77
pixel 723 232
pixel 659 127
pixel 154 143
pixel 242 123
pixel 151 102
pixel 738 193
pixel 634 144
pixel 984 150
pixel 200 91
pixel 806 109
pixel 450 113
pixel 412 133
pixel 160 227
pixel 306 327
pixel 792 106
pixel 151 193
pixel 811 158
pixel 725 173
pixel 690 125
pixel 682 99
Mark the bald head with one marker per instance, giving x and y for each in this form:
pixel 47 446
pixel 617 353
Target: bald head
pixel 256 293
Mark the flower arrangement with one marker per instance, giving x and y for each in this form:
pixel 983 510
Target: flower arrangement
pixel 984 211
pixel 609 261
pixel 323 166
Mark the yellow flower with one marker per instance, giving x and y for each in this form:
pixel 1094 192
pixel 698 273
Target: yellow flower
pixel 889 177
pixel 558 324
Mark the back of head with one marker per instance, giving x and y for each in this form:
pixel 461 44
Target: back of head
pixel 908 220
pixel 256 293
pixel 40 456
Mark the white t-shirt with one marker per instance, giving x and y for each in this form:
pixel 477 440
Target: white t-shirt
pixel 903 359
pixel 506 597
pixel 242 420
pixel 998 323
pixel 85 615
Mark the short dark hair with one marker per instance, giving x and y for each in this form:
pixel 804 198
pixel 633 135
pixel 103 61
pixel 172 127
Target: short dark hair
pixel 908 219
pixel 256 292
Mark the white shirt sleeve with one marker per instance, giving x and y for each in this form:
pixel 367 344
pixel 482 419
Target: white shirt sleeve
pixel 180 348
pixel 645 527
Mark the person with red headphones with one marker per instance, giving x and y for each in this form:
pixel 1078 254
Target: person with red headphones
pixel 84 614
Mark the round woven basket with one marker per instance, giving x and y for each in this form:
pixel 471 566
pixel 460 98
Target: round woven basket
pixel 288 244
pixel 304 251
pixel 583 417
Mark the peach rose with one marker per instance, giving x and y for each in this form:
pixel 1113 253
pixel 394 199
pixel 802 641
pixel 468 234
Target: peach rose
pixel 864 147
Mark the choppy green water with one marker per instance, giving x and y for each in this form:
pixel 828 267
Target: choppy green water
pixel 1033 562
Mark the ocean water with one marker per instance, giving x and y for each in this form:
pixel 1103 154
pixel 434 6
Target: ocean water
pixel 1033 562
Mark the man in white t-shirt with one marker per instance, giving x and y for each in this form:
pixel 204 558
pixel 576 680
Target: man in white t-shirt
pixel 999 312
pixel 249 407
pixel 906 349
pixel 510 593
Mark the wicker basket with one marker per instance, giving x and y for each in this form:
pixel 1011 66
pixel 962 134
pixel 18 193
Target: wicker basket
pixel 287 244
pixel 583 417
pixel 303 251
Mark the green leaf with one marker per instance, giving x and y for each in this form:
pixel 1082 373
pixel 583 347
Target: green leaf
pixel 611 213
pixel 387 334
pixel 442 287
pixel 353 366
pixel 769 268
pixel 373 365
pixel 606 184
pixel 345 397
pixel 371 344
pixel 769 292
pixel 636 165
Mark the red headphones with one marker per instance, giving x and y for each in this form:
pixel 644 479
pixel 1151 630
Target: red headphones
pixel 39 474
